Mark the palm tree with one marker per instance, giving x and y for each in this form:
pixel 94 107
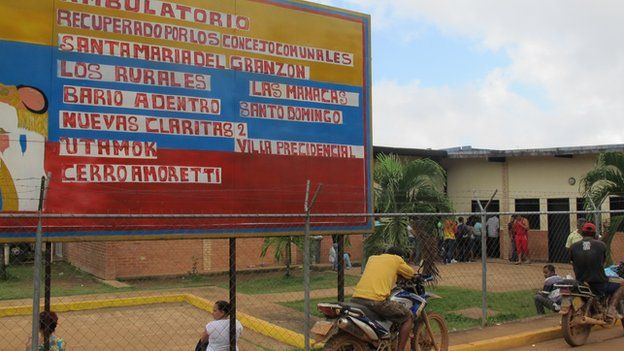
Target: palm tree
pixel 604 180
pixel 407 187
pixel 283 245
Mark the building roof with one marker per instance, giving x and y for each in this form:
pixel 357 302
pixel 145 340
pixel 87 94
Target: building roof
pixel 493 154
pixel 568 151
pixel 400 151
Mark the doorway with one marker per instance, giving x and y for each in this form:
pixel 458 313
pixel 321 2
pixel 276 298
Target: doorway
pixel 558 230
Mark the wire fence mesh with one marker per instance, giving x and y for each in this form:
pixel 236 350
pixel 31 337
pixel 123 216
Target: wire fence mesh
pixel 146 294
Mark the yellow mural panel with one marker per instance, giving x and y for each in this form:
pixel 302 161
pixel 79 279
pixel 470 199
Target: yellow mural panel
pixel 27 21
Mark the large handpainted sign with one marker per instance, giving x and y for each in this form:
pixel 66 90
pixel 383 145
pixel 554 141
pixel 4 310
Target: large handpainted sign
pixel 182 107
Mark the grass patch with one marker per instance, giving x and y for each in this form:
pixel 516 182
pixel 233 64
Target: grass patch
pixel 278 283
pixel 509 305
pixel 66 280
pixel 247 283
pixel 177 282
pixel 298 305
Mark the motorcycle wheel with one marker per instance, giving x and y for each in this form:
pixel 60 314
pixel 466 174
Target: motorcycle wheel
pixel 345 342
pixel 574 335
pixel 421 339
pixel 622 312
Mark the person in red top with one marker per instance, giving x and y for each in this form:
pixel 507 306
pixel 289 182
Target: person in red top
pixel 521 231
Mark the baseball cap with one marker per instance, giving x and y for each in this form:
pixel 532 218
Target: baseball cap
pixel 588 227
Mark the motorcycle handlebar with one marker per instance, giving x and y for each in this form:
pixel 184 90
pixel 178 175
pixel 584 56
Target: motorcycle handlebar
pixel 418 278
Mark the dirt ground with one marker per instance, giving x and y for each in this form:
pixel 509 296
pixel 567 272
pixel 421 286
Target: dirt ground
pixel 177 326
pixel 174 326
pixel 501 275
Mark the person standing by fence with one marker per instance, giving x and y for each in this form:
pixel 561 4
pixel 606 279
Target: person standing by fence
pixel 521 231
pixel 47 326
pixel 513 254
pixel 478 234
pixel 462 237
pixel 575 236
pixel 333 256
pixel 449 229
pixel 492 226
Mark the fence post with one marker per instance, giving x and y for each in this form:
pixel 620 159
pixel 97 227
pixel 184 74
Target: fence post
pixel 233 293
pixel 47 289
pixel 3 267
pixel 341 276
pixel 597 216
pixel 484 259
pixel 37 271
pixel 306 263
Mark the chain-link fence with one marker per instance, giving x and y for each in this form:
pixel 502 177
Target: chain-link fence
pixel 143 295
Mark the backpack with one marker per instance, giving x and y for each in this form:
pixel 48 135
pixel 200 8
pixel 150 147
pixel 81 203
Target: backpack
pixel 620 270
pixel 462 231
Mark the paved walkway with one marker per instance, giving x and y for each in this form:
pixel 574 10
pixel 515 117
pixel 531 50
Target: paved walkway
pixel 599 340
pixel 511 328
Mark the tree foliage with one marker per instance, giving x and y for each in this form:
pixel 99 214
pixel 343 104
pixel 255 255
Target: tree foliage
pixel 415 186
pixel 282 246
pixel 604 180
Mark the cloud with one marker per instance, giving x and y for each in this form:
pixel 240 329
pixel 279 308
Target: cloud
pixel 570 53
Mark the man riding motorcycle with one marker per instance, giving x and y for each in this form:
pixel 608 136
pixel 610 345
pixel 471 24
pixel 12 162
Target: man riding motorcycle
pixel 588 257
pixel 375 286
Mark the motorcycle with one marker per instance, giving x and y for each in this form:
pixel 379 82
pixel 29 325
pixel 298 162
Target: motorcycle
pixel 353 327
pixel 581 309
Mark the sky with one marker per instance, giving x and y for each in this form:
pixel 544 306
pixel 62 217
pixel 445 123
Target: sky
pixel 495 74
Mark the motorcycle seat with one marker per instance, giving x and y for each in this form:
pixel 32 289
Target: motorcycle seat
pixel 578 286
pixel 365 310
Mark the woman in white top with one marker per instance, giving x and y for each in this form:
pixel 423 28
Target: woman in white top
pixel 217 332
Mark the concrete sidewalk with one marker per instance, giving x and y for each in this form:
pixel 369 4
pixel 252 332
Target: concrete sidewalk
pixel 521 326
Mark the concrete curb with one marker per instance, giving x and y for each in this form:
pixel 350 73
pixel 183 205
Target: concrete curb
pixel 95 304
pixel 510 341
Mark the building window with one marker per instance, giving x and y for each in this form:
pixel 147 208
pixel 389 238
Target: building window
pixel 494 206
pixel 616 203
pixel 530 205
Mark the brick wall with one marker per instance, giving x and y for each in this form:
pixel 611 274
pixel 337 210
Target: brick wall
pixel 617 247
pixel 538 245
pixel 91 257
pixel 353 247
pixel 131 259
pixel 154 258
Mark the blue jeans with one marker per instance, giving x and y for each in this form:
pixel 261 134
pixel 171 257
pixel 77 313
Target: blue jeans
pixel 347 261
pixel 449 250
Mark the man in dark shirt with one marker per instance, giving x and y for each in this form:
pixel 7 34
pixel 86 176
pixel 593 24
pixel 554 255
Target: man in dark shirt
pixel 588 257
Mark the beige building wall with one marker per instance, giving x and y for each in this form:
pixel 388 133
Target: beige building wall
pixel 517 178
pixel 467 178
pixel 534 177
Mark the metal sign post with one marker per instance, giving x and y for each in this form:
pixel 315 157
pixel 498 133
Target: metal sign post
pixel 306 263
pixel 37 270
pixel 484 259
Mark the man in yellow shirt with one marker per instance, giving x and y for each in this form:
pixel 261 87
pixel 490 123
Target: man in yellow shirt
pixel 575 236
pixel 373 289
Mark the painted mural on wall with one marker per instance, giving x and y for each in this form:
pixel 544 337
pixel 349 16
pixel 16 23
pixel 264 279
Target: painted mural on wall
pixel 23 132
